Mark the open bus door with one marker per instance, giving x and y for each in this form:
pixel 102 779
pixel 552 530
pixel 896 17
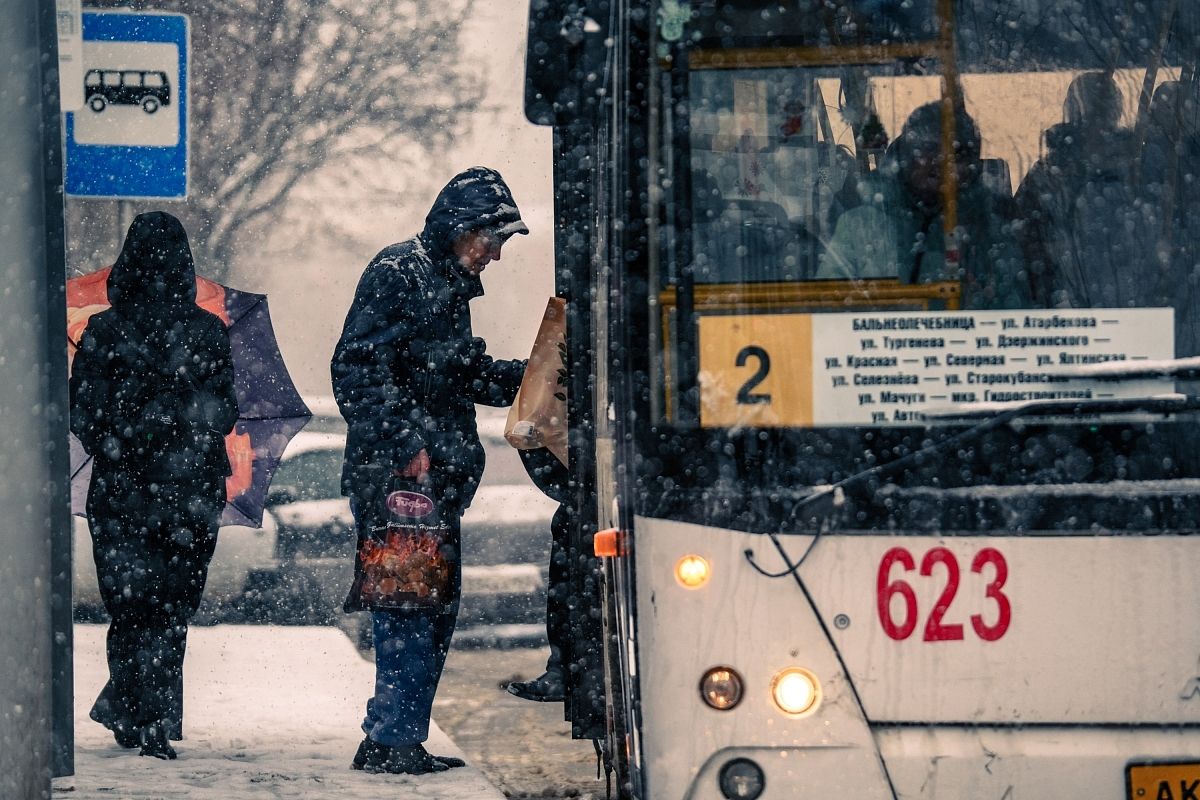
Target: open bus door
pixel 564 61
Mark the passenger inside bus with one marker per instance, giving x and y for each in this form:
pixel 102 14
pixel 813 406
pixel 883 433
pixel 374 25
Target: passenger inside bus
pixel 1173 140
pixel 897 232
pixel 767 171
pixel 1171 187
pixel 1084 231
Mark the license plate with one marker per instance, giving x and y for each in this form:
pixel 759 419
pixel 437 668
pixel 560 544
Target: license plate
pixel 1179 781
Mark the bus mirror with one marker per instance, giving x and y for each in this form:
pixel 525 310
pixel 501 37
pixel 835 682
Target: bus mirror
pixel 555 36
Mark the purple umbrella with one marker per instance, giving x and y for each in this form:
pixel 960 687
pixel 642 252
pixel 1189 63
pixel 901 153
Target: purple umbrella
pixel 270 409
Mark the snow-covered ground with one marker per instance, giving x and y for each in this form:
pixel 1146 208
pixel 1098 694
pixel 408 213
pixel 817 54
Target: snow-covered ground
pixel 269 712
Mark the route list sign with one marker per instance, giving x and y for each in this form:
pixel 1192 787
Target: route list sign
pixel 890 368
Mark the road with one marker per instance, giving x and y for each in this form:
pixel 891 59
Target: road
pixel 524 748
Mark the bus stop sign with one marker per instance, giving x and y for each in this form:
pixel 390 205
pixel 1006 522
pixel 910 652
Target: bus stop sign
pixel 130 137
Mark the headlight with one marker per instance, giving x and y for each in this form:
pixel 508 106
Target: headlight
pixel 742 779
pixel 721 688
pixel 692 572
pixel 796 691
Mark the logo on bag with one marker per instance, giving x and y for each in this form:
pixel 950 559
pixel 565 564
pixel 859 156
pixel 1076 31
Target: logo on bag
pixel 409 504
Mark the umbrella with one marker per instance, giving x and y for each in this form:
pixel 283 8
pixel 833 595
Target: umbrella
pixel 270 409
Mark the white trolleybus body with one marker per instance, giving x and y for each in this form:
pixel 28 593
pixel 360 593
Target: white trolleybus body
pixel 881 323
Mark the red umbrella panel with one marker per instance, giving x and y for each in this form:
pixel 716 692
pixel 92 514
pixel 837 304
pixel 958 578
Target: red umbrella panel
pixel 270 410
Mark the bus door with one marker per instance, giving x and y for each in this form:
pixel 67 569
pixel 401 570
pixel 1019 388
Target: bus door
pixel 564 67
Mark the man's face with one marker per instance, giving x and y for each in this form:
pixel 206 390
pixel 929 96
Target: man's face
pixel 476 249
pixel 924 173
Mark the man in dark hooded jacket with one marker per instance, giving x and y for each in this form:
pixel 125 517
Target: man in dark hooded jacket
pixel 898 229
pixel 152 398
pixel 407 373
pixel 1171 192
pixel 1086 236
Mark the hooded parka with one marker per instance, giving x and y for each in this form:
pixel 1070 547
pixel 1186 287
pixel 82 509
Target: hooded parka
pixel 408 370
pixel 152 394
pixel 152 398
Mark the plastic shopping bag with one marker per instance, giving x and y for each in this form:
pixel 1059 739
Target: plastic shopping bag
pixel 538 417
pixel 405 564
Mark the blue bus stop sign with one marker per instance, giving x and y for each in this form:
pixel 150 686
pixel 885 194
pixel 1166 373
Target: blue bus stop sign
pixel 130 138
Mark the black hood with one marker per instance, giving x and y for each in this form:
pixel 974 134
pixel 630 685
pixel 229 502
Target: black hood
pixel 474 199
pixel 155 267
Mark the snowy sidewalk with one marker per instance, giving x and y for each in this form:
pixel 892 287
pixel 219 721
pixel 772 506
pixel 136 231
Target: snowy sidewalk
pixel 269 712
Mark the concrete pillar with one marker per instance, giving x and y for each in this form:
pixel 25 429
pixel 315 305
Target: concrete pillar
pixel 33 465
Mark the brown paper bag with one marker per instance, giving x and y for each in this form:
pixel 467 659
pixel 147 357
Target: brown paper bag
pixel 538 417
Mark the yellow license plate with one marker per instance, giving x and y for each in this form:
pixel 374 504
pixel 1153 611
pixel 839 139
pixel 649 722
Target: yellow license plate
pixel 1180 781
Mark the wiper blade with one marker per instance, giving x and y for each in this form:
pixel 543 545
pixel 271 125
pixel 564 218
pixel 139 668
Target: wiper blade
pixel 1183 368
pixel 1166 403
pixel 822 504
pixel 1109 371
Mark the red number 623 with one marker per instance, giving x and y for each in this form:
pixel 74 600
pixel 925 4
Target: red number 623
pixel 936 629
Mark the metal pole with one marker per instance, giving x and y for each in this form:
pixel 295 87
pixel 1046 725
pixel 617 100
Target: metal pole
pixel 57 412
pixel 951 101
pixel 124 217
pixel 33 457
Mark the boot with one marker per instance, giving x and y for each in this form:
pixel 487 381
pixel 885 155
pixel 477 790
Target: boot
pixel 405 760
pixel 547 688
pixel 123 730
pixel 449 761
pixel 126 735
pixel 369 752
pixel 155 744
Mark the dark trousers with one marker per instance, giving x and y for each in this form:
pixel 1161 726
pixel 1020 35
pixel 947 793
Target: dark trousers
pixel 152 550
pixel 410 653
pixel 558 590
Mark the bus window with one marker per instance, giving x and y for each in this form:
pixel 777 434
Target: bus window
pixel 769 171
pixel 112 78
pixel 796 176
pixel 862 164
pixel 153 79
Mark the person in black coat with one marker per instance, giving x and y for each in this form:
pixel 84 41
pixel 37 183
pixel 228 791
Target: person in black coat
pixel 551 476
pixel 152 398
pixel 407 373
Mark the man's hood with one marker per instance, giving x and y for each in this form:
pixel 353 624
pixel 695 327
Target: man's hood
pixel 155 266
pixel 474 199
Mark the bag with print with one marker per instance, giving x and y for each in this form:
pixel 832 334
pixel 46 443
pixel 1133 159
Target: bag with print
pixel 406 563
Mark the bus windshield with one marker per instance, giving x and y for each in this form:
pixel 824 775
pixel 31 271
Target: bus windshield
pixel 874 216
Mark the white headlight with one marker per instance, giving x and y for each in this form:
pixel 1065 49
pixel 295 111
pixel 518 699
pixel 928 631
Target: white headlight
pixel 796 691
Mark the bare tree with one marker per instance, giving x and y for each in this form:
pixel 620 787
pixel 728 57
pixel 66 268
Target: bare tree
pixel 282 88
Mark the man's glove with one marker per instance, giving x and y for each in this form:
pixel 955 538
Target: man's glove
pixel 466 356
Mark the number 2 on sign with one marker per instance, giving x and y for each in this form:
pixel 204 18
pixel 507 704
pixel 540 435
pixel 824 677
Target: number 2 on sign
pixel 945 562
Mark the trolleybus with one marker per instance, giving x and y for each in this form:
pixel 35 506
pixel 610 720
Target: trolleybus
pixel 883 346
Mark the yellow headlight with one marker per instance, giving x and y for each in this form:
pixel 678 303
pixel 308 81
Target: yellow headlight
pixel 692 572
pixel 796 691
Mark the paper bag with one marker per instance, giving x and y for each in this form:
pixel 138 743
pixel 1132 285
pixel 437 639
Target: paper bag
pixel 538 417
